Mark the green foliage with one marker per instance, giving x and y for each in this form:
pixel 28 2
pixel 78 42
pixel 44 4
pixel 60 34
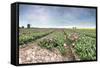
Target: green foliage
pixel 28 36
pixel 62 49
pixel 47 43
pixel 52 43
pixel 85 46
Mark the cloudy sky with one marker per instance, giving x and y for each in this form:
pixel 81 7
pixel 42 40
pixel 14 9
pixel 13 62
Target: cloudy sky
pixel 56 17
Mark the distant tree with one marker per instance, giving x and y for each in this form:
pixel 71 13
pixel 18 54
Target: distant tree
pixel 22 26
pixel 28 25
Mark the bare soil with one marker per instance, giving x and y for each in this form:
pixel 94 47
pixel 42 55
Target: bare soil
pixel 33 53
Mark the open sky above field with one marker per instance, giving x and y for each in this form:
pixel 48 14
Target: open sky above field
pixel 56 17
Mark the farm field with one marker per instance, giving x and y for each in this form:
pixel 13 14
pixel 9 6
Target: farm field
pixel 38 45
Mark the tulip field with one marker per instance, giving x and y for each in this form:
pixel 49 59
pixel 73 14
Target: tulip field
pixel 80 41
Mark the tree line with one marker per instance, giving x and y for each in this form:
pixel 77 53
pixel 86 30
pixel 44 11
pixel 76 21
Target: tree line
pixel 28 26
